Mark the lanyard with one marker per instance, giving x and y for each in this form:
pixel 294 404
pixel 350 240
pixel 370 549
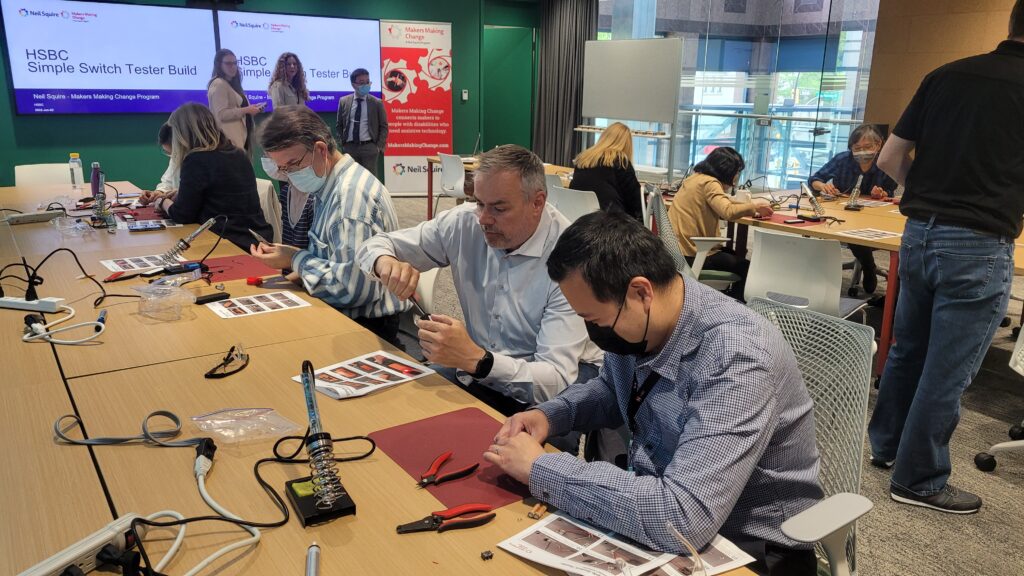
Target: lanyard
pixel 637 396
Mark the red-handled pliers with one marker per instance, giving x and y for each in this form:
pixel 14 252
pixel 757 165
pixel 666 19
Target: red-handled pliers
pixel 431 475
pixel 449 519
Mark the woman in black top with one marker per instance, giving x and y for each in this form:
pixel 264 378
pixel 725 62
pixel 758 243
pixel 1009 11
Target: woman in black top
pixel 606 169
pixel 216 179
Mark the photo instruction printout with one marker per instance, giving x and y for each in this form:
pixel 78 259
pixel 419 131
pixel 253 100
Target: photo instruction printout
pixel 365 374
pixel 870 234
pixel 567 544
pixel 258 304
pixel 136 263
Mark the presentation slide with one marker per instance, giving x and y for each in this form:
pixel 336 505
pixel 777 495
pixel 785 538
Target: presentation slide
pixel 329 49
pixel 89 57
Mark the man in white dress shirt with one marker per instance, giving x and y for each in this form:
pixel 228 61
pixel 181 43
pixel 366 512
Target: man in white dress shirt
pixel 521 343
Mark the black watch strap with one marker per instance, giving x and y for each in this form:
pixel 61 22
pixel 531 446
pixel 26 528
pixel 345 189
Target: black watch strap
pixel 484 366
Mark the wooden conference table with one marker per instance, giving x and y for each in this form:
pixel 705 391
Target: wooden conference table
pixel 885 218
pixel 470 167
pixel 54 495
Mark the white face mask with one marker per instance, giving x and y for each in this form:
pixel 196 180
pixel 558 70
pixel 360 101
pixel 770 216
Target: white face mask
pixel 270 167
pixel 306 180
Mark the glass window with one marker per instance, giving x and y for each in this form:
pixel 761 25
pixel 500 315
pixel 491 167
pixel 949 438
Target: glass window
pixel 781 81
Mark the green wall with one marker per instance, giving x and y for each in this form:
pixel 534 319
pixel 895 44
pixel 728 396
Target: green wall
pixel 126 144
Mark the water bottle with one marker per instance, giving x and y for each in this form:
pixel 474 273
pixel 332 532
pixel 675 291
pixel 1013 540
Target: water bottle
pixel 98 194
pixel 75 166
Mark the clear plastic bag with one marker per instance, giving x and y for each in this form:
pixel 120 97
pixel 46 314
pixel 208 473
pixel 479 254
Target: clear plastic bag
pixel 164 303
pixel 72 227
pixel 235 425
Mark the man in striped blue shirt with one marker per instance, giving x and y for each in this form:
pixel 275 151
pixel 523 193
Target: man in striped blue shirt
pixel 722 425
pixel 350 206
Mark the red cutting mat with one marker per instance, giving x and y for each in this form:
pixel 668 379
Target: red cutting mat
pixel 226 268
pixel 468 433
pixel 144 213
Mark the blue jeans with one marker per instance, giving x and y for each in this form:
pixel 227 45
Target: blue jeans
pixel 954 288
pixel 508 406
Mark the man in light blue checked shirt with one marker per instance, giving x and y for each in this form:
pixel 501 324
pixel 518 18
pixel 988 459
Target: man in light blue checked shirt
pixel 521 342
pixel 722 425
pixel 350 206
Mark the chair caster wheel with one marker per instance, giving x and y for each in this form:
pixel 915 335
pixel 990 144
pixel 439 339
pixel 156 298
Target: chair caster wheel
pixel 1005 323
pixel 1016 433
pixel 852 291
pixel 985 461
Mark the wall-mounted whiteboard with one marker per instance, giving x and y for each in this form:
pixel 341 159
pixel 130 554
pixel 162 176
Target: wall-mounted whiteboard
pixel 632 79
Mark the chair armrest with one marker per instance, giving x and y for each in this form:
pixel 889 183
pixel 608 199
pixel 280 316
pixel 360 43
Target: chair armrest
pixel 826 517
pixel 704 245
pixel 708 241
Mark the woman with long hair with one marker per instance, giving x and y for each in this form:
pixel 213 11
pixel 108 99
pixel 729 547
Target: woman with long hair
pixel 288 83
pixel 216 179
pixel 228 102
pixel 606 169
pixel 702 201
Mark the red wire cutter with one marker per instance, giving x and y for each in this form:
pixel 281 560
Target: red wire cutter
pixel 449 519
pixel 431 475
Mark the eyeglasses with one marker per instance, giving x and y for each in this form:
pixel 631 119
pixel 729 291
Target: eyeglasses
pixel 234 362
pixel 230 63
pixel 293 166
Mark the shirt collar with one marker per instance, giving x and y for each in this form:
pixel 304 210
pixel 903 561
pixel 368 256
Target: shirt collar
pixel 534 246
pixel 1011 47
pixel 684 338
pixel 335 175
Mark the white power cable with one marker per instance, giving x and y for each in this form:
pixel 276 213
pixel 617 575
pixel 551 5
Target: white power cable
pixel 44 332
pixel 177 539
pixel 202 467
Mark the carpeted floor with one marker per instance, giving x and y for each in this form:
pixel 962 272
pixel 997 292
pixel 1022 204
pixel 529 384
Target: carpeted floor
pixel 895 538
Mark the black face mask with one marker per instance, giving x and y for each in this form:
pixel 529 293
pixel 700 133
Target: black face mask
pixel 607 340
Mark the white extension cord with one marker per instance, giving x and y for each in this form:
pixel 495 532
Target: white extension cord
pixel 39 331
pixel 202 468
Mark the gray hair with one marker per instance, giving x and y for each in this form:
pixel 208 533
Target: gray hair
pixel 516 159
pixel 290 125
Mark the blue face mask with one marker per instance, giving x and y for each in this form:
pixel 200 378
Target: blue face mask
pixel 363 89
pixel 270 167
pixel 306 180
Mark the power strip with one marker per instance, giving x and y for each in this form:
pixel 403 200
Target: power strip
pixel 32 217
pixel 40 305
pixel 83 553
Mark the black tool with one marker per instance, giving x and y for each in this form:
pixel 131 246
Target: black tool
pixel 431 475
pixel 215 297
pixel 445 520
pixel 419 309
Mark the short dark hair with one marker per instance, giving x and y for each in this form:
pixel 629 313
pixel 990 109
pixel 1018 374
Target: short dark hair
pixel 297 124
pixel 163 137
pixel 861 131
pixel 723 164
pixel 610 249
pixel 1017 20
pixel 357 73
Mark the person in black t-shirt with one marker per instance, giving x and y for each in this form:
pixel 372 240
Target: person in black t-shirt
pixel 964 202
pixel 839 176
pixel 606 169
pixel 216 179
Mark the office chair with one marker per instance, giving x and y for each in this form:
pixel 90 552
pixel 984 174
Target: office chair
pixel 42 174
pixel 662 226
pixel 573 203
pixel 801 272
pixel 453 179
pixel 270 205
pixel 834 357
pixel 986 461
pixel 552 180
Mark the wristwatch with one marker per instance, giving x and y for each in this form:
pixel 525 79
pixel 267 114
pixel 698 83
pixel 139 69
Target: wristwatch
pixel 483 367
